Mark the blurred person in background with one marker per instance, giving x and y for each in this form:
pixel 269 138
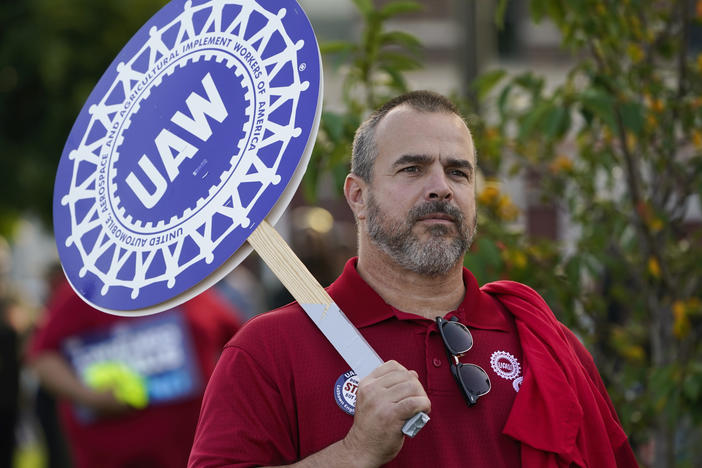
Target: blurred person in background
pixel 57 453
pixel 129 388
pixel 9 381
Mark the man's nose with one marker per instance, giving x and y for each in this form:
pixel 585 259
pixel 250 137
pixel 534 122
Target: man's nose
pixel 438 187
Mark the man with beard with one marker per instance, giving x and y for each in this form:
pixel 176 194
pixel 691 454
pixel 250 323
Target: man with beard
pixel 506 384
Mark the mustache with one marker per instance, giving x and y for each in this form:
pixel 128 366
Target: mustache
pixel 437 206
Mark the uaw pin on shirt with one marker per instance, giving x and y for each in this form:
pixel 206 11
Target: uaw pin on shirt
pixel 186 144
pixel 345 389
pixel 506 366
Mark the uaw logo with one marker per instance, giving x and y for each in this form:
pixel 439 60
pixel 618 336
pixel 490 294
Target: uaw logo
pixel 506 366
pixel 186 144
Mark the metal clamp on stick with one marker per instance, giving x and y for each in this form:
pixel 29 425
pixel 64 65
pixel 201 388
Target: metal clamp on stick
pixel 414 424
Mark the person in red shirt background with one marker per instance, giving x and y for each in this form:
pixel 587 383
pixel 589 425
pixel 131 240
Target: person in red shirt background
pixel 505 384
pixel 148 375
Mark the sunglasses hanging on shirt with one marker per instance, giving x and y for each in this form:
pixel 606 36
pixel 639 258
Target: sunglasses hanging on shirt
pixel 472 380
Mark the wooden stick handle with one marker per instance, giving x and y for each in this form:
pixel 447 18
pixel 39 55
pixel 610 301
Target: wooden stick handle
pixel 280 258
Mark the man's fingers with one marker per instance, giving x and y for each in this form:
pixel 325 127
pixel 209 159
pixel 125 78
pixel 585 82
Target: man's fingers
pixel 386 368
pixel 410 406
pixel 390 374
pixel 394 390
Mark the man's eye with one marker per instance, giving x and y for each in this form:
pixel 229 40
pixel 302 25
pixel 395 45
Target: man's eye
pixel 410 169
pixel 459 173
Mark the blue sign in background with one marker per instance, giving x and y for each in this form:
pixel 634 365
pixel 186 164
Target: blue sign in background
pixel 159 349
pixel 122 253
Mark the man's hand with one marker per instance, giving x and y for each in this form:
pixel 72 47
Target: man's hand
pixel 104 403
pixel 57 376
pixel 386 398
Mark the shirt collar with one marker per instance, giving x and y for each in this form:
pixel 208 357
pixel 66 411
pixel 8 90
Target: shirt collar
pixel 364 307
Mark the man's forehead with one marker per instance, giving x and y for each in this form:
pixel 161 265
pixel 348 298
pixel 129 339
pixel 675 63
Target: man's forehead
pixel 424 132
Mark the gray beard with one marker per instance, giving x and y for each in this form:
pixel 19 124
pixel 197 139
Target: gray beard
pixel 433 257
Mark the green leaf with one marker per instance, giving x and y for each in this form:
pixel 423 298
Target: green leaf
pixel 397 79
pixel 398 8
pixel 537 8
pixel 487 81
pixel 633 116
pixel 692 387
pixel 533 119
pixel 556 122
pixel 530 82
pixel 400 38
pixel 502 101
pixel 398 60
pixel 335 47
pixel 599 104
pixel 484 260
pixel 333 124
pixel 364 6
pixel 500 13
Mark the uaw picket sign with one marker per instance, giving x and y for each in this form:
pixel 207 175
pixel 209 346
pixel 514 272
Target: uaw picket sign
pixel 189 140
pixel 191 144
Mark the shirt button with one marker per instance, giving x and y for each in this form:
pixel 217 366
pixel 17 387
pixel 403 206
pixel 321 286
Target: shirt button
pixel 436 362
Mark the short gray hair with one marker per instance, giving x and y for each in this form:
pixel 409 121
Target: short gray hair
pixel 364 151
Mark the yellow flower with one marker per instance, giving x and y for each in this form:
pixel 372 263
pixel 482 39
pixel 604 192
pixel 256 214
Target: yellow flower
pixel 499 203
pixel 515 258
pixel 634 353
pixel 489 195
pixel 681 322
pixel 519 259
pixel 491 133
pixel 630 140
pixel 561 163
pixel 654 268
pixel 657 105
pixel 635 53
pixel 651 122
pixel 678 309
pixel 697 138
pixel 656 224
pixel 507 210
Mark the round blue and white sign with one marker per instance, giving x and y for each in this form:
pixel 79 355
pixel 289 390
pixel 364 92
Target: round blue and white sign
pixel 200 128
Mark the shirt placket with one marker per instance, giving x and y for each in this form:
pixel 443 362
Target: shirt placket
pixel 439 377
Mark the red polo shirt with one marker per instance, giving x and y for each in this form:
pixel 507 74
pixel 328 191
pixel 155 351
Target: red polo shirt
pixel 279 391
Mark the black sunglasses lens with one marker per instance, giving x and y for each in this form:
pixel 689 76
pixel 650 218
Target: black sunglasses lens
pixel 457 337
pixel 474 379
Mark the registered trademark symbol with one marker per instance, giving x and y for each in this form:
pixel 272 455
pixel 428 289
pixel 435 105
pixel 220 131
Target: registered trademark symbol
pixel 302 66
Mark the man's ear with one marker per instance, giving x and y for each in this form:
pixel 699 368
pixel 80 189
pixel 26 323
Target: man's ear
pixel 355 193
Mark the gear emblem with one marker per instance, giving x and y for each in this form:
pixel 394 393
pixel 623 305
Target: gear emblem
pixel 505 365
